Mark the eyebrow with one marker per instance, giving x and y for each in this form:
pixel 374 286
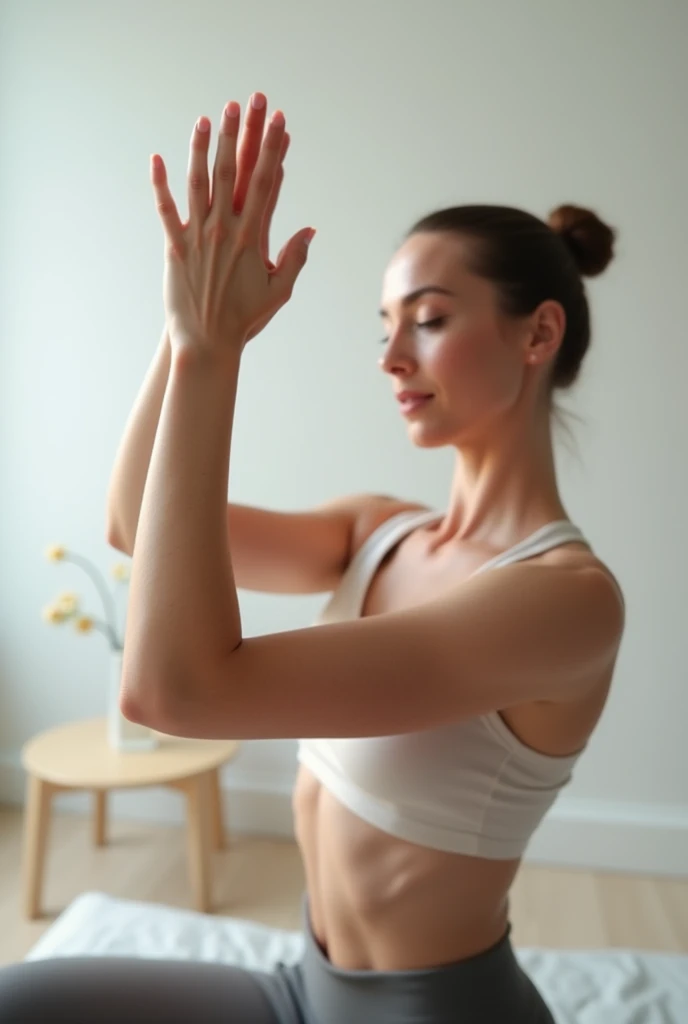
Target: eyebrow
pixel 412 297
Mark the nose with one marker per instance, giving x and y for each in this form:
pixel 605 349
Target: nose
pixel 398 357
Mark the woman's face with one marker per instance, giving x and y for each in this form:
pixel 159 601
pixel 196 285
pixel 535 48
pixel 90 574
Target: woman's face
pixel 445 338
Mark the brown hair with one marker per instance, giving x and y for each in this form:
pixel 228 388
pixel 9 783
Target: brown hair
pixel 530 261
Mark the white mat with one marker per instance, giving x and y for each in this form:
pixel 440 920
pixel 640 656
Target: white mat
pixel 582 987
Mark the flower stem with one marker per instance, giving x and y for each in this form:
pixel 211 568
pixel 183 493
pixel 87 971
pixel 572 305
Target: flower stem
pixel 104 628
pixel 106 596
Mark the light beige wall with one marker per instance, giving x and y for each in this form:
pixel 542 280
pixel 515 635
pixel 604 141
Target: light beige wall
pixel 395 109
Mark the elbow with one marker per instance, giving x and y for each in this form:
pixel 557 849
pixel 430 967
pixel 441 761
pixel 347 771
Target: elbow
pixel 114 535
pixel 150 705
pixel 115 540
pixel 133 707
pixel 147 712
pixel 130 706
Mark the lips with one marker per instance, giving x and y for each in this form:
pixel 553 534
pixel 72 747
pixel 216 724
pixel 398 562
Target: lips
pixel 412 396
pixel 411 401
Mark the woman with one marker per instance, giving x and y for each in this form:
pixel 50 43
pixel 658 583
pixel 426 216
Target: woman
pixel 464 657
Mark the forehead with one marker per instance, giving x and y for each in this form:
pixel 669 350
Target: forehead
pixel 424 259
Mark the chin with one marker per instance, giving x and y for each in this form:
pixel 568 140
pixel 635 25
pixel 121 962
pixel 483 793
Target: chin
pixel 422 437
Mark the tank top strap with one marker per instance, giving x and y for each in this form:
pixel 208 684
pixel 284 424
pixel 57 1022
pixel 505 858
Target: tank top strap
pixel 357 578
pixel 389 533
pixel 550 536
pixel 371 553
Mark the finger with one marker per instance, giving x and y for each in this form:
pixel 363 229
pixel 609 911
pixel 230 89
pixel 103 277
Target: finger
pixel 198 185
pixel 267 219
pixel 285 146
pixel 263 180
pixel 249 149
pixel 225 169
pixel 167 209
pixel 291 262
pixel 272 202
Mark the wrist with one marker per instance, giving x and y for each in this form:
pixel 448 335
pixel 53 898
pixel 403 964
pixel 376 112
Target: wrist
pixel 200 359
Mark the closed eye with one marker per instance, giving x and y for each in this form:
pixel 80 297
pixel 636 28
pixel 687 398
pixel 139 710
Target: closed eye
pixel 435 324
pixel 429 325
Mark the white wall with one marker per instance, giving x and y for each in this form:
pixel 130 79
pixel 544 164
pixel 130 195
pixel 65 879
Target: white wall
pixel 395 109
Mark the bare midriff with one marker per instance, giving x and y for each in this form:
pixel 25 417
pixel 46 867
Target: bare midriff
pixel 377 902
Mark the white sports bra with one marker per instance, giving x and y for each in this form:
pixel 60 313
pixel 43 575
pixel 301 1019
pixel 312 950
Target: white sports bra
pixel 469 787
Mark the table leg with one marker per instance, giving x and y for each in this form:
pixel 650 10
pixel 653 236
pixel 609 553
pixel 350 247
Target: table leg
pixel 36 824
pixel 216 814
pixel 198 838
pixel 100 817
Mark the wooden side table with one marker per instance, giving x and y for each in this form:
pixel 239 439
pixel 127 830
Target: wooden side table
pixel 77 756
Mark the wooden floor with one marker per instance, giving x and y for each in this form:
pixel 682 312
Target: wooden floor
pixel 262 879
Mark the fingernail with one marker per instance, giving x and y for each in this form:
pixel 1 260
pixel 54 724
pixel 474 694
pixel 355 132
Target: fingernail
pixel 310 236
pixel 257 101
pixel 232 109
pixel 277 119
pixel 203 124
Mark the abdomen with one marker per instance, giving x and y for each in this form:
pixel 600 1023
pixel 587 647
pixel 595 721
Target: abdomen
pixel 382 903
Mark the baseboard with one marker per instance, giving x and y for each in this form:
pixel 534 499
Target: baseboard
pixel 592 834
pixel 254 803
pixel 607 835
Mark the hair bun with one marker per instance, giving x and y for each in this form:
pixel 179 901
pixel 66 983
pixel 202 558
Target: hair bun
pixel 589 240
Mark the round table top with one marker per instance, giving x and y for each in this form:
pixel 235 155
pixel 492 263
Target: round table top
pixel 78 754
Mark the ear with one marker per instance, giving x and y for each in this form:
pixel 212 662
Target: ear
pixel 548 325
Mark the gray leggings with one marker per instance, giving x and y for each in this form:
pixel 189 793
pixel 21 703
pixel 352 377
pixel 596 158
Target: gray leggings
pixel 120 990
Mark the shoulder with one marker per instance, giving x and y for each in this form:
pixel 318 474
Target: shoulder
pixel 578 566
pixel 567 603
pixel 373 511
pixel 525 633
pixel 358 516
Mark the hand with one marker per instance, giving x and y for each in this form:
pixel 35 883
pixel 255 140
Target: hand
pixel 249 149
pixel 220 286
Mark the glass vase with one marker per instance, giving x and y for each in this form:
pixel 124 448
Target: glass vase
pixel 122 734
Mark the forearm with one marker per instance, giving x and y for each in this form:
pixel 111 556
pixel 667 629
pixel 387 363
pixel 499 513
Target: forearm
pixel 183 610
pixel 128 478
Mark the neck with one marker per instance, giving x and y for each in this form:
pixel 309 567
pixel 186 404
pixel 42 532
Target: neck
pixel 504 484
